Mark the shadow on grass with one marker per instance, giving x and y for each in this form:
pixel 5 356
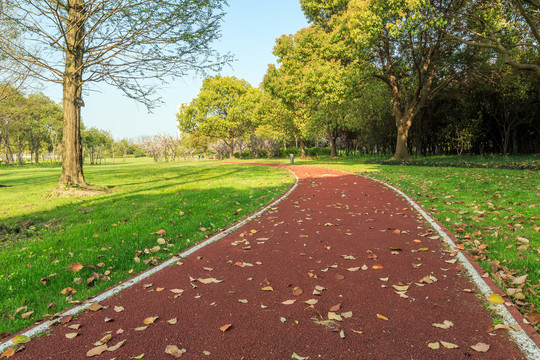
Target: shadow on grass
pixel 110 229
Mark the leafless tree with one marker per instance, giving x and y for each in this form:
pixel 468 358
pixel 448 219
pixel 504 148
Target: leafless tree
pixel 134 45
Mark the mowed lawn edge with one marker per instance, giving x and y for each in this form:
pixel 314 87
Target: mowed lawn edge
pixel 155 210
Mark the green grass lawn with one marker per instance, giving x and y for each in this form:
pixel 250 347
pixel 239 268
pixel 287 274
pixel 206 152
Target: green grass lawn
pixel 41 235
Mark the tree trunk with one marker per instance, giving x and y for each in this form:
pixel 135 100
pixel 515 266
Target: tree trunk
pixel 302 148
pixel 231 149
pixel 403 126
pixel 72 156
pixel 333 152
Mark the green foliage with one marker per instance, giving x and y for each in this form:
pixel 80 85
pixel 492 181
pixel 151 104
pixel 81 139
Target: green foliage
pixel 40 238
pixel 223 109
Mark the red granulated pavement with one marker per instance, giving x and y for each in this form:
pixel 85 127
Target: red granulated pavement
pixel 331 223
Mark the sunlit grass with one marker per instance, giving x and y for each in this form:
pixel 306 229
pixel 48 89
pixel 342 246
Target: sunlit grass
pixel 42 235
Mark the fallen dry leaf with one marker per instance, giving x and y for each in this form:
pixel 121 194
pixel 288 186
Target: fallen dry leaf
pixel 8 353
pixel 117 346
pixel 27 315
pixel 297 291
pixel 519 280
pixel 172 321
pixel 103 340
pixel 447 324
pixel 225 327
pixel 311 301
pixel 209 281
pixel 173 350
pixel 496 299
pixel 382 317
pixel 119 309
pixel 449 345
pixel 150 320
pixel 401 287
pixel 95 307
pixel 97 350
pixel 68 291
pixel 141 328
pixel 336 307
pixel 267 288
pixel 288 302
pixel 75 267
pixel 71 335
pixel 353 269
pixel 347 315
pixel 480 347
pixel 377 267
pixel 434 346
pixel 334 316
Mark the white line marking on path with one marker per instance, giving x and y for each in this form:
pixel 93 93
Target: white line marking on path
pixel 40 329
pixel 523 340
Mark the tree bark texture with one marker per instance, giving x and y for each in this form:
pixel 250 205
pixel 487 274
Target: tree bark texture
pixel 72 156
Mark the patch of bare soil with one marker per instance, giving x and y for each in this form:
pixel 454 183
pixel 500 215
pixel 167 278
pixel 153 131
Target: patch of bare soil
pixel 78 192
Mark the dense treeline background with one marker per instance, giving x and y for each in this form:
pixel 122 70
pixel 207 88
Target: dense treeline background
pixel 31 132
pixel 441 77
pixel 366 77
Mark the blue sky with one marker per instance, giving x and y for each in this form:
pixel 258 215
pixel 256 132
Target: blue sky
pixel 249 32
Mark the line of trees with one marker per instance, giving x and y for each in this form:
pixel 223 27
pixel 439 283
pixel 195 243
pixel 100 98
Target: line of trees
pixel 31 131
pixel 381 76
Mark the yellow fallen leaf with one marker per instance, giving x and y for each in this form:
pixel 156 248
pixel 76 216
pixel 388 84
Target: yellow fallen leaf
pixel 8 353
pixel 334 316
pixel 496 299
pixel 434 346
pixel 20 339
pixel 267 288
pixel 150 320
pixel 377 267
pixel 382 317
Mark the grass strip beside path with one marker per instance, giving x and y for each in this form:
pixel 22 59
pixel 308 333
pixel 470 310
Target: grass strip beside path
pixel 111 235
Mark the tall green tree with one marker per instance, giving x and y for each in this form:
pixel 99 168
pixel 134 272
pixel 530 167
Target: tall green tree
pixel 223 110
pixel 402 43
pixel 511 28
pixel 132 45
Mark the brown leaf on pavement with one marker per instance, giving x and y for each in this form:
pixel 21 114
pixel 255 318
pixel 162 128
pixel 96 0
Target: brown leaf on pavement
pixel 97 350
pixel 173 350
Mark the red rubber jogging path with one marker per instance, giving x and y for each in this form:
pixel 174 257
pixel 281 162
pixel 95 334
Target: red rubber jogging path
pixel 344 237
